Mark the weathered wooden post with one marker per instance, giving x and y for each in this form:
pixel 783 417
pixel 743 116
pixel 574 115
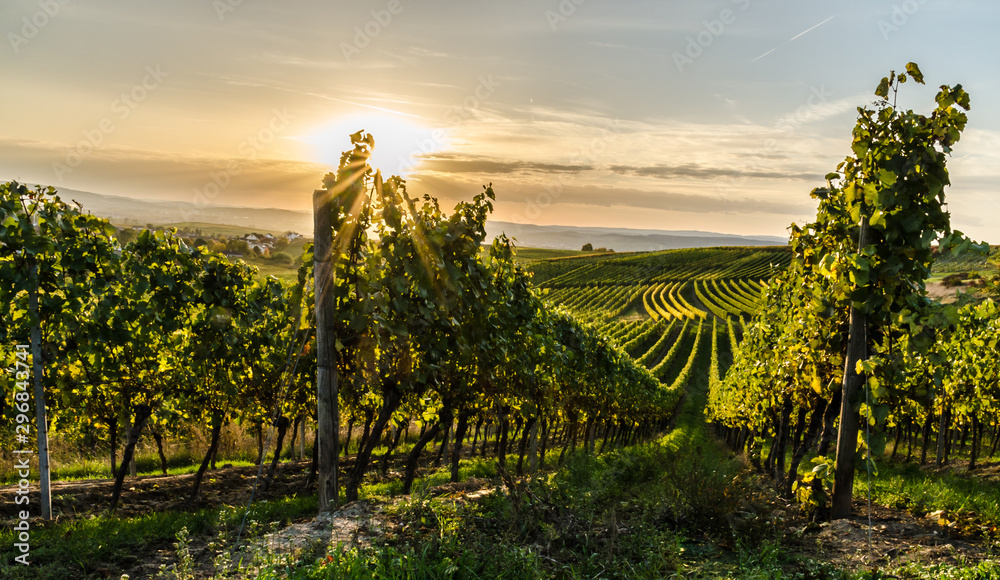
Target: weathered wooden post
pixel 847 435
pixel 327 411
pixel 41 421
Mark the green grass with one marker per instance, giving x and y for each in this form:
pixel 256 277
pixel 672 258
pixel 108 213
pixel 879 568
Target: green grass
pixel 967 262
pixel 147 463
pixel 532 254
pixel 962 496
pixel 208 229
pixel 295 248
pixel 627 513
pixel 645 267
pixel 965 496
pixel 467 468
pixel 95 547
pixel 287 273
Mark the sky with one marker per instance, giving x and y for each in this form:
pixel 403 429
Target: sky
pixel 718 115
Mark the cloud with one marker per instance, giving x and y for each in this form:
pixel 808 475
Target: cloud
pixel 451 163
pixel 543 203
pixel 142 174
pixel 297 61
pixel 695 171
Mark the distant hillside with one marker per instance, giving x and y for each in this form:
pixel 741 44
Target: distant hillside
pixel 621 239
pixel 127 210
pixel 130 211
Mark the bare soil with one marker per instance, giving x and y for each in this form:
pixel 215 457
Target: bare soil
pixel 942 293
pixel 145 494
pixel 890 538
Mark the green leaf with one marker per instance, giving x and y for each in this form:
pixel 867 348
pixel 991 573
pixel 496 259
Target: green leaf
pixel 883 88
pixel 914 71
pixel 888 178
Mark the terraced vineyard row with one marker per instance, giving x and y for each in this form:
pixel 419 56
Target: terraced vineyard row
pixel 660 307
pixel 666 266
pixel 697 299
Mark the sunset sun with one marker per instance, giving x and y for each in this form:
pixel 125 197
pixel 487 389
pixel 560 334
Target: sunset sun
pixel 399 141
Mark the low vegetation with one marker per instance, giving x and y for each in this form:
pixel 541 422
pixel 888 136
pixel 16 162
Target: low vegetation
pixel 644 415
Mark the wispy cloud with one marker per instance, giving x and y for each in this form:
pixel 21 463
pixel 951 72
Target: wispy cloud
pixel 513 196
pixel 447 163
pixel 691 170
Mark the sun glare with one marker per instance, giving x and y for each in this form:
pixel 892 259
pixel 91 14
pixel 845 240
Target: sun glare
pixel 399 142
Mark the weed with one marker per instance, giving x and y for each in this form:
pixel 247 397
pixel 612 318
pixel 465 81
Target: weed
pixel 184 568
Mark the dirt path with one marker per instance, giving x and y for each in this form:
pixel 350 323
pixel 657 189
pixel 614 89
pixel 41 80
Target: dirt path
pixel 140 495
pixel 892 538
pixel 942 293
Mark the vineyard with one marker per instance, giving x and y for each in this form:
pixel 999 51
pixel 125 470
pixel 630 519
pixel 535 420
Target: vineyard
pixel 661 307
pixel 695 413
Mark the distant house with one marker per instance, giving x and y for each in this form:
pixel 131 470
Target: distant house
pixel 249 238
pixel 292 236
pixel 264 248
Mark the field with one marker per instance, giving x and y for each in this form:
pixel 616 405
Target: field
pixel 209 229
pixel 825 409
pixel 675 503
pixel 658 306
pixel 527 255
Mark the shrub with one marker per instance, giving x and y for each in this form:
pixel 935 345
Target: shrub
pixel 953 280
pixel 282 258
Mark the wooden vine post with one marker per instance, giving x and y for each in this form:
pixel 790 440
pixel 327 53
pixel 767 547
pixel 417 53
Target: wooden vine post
pixel 327 411
pixel 847 435
pixel 41 420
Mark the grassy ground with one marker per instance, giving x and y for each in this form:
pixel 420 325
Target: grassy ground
pixel 532 254
pixel 287 273
pixel 677 507
pixel 985 264
pixel 228 231
pixel 101 546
